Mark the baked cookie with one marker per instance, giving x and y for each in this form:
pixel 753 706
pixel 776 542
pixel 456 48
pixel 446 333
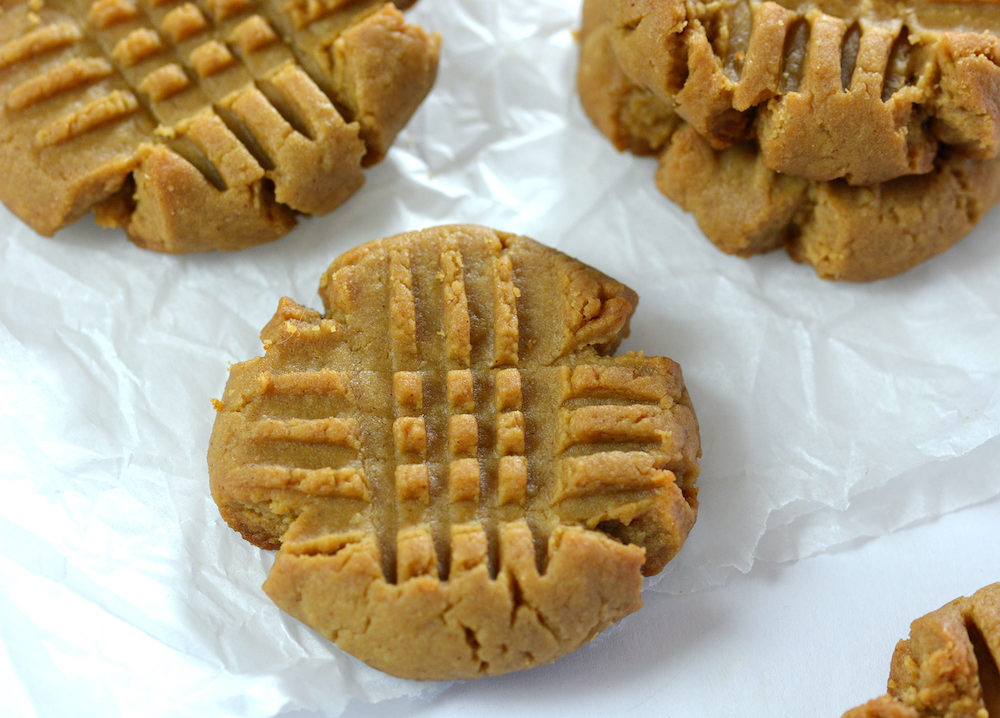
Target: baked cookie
pixel 947 668
pixel 866 91
pixel 458 476
pixel 745 207
pixel 200 124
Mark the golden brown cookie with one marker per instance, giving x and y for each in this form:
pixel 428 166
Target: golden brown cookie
pixel 458 476
pixel 745 207
pixel 200 124
pixel 864 90
pixel 947 668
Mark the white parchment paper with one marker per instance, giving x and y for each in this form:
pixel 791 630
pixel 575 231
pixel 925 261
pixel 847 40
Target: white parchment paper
pixel 828 411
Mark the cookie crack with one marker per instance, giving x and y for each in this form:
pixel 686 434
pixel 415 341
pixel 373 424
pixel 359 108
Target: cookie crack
pixel 474 646
pixel 519 600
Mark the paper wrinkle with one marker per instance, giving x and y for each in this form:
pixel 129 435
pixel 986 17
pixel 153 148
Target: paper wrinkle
pixel 828 412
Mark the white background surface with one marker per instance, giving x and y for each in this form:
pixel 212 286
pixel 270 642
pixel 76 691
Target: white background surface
pixel 846 423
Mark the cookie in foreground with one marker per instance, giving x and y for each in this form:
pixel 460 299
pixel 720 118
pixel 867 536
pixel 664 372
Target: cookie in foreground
pixel 827 89
pixel 948 665
pixel 458 475
pixel 745 207
pixel 200 125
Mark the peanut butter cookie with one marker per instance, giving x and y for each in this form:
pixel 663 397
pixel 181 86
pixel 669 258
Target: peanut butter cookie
pixel 458 476
pixel 745 207
pixel 866 91
pixel 947 668
pixel 200 124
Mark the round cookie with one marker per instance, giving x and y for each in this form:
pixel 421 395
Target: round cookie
pixel 866 91
pixel 457 474
pixel 744 207
pixel 948 665
pixel 200 126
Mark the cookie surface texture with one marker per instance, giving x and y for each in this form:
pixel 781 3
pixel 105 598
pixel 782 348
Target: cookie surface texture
pixel 948 666
pixel 458 476
pixel 200 124
pixel 746 207
pixel 866 91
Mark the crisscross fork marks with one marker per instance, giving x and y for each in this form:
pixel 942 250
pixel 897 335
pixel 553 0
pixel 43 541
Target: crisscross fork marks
pixel 517 480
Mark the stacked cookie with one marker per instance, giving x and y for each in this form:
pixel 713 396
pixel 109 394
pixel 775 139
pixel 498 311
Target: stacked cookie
pixel 862 137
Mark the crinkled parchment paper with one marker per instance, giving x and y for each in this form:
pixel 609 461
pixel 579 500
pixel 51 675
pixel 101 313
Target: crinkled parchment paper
pixel 828 411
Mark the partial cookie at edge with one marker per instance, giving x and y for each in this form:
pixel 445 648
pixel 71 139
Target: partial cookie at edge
pixel 200 126
pixel 851 233
pixel 948 666
pixel 862 91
